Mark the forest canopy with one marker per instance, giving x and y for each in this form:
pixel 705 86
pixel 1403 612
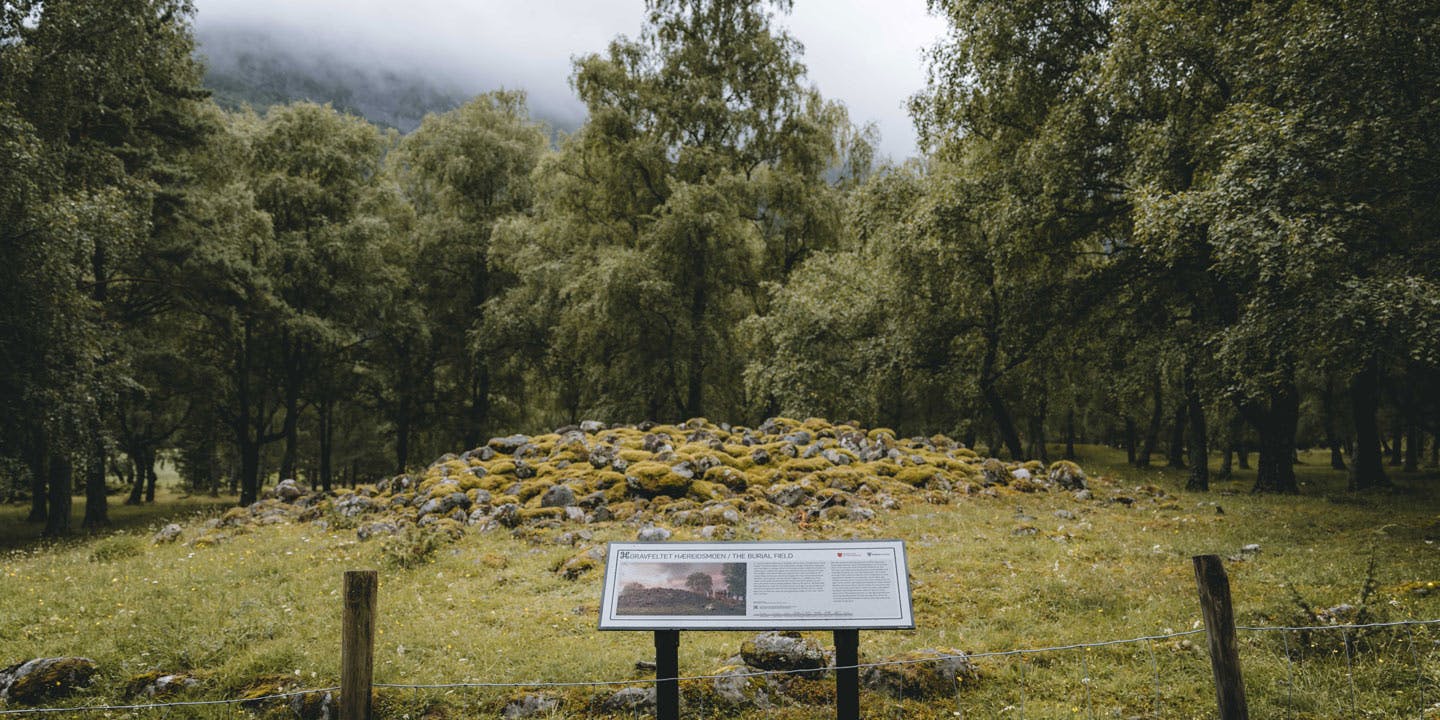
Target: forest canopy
pixel 1172 227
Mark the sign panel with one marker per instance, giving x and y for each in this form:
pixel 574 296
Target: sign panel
pixel 829 585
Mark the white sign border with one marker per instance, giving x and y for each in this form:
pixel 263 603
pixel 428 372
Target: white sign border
pixel 609 593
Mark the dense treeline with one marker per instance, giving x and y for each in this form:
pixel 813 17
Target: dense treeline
pixel 1168 226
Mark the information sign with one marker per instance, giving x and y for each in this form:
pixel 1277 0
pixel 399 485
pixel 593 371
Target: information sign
pixel 826 585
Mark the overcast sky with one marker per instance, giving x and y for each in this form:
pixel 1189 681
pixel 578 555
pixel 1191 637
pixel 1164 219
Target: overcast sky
pixel 865 53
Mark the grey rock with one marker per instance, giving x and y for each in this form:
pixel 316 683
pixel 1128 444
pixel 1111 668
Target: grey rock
pixel 787 494
pixel 656 443
pixel 938 675
pixel 737 688
pixel 775 650
pixel 652 533
pixel 602 456
pixel 42 678
pixel 288 491
pixel 1068 476
pixel 717 532
pixel 591 426
pixel 369 530
pixel 508 445
pixel 507 515
pixel 760 456
pixel 530 705
pixel 168 684
pixel 836 457
pixel 168 534
pixel 353 505
pixel 631 699
pixel 558 496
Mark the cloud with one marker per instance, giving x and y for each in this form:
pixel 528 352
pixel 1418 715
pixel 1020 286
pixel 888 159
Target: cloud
pixel 862 52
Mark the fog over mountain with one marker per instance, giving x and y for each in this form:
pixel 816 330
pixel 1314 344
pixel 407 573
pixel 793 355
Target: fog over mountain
pixel 262 66
pixel 393 64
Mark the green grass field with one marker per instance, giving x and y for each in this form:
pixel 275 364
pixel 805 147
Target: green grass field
pixel 990 575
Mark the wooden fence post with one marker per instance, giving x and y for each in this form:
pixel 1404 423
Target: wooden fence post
pixel 357 644
pixel 1214 589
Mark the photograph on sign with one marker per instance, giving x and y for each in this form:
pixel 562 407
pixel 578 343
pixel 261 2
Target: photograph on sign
pixel 782 586
pixel 681 588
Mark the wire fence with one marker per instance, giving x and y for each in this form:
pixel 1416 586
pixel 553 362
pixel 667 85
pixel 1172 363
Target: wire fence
pixel 1383 669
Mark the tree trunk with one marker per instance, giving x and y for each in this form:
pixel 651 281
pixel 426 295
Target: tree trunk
pixel 137 488
pixel 326 410
pixel 249 471
pixel 1175 453
pixel 999 412
pixel 39 490
pixel 696 368
pixel 1397 448
pixel 1242 450
pixel 1434 449
pixel 151 477
pixel 1366 466
pixel 1152 435
pixel 97 510
pixel 291 431
pixel 402 436
pixel 1276 427
pixel 1070 433
pixel 1130 439
pixel 1037 431
pixel 1199 436
pixel 1332 438
pixel 479 411
pixel 1003 423
pixel 57 521
pixel 1412 447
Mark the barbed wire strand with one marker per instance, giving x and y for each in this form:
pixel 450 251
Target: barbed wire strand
pixel 178 703
pixel 758 673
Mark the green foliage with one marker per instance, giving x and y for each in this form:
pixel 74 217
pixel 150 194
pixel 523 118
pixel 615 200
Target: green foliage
pixel 699 175
pixel 413 546
pixel 116 547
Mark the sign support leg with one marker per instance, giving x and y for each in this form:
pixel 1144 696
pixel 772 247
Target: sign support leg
pixel 667 670
pixel 847 676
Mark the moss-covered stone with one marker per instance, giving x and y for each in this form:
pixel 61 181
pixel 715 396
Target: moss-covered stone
pixel 653 479
pixel 727 476
pixel 922 674
pixel 41 679
pixel 702 490
pixel 533 514
pixel 917 476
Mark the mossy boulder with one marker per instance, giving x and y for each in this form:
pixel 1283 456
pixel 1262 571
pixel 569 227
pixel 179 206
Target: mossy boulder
pixel 921 674
pixel 1067 475
pixel 41 679
pixel 157 684
pixel 776 650
pixel 652 479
